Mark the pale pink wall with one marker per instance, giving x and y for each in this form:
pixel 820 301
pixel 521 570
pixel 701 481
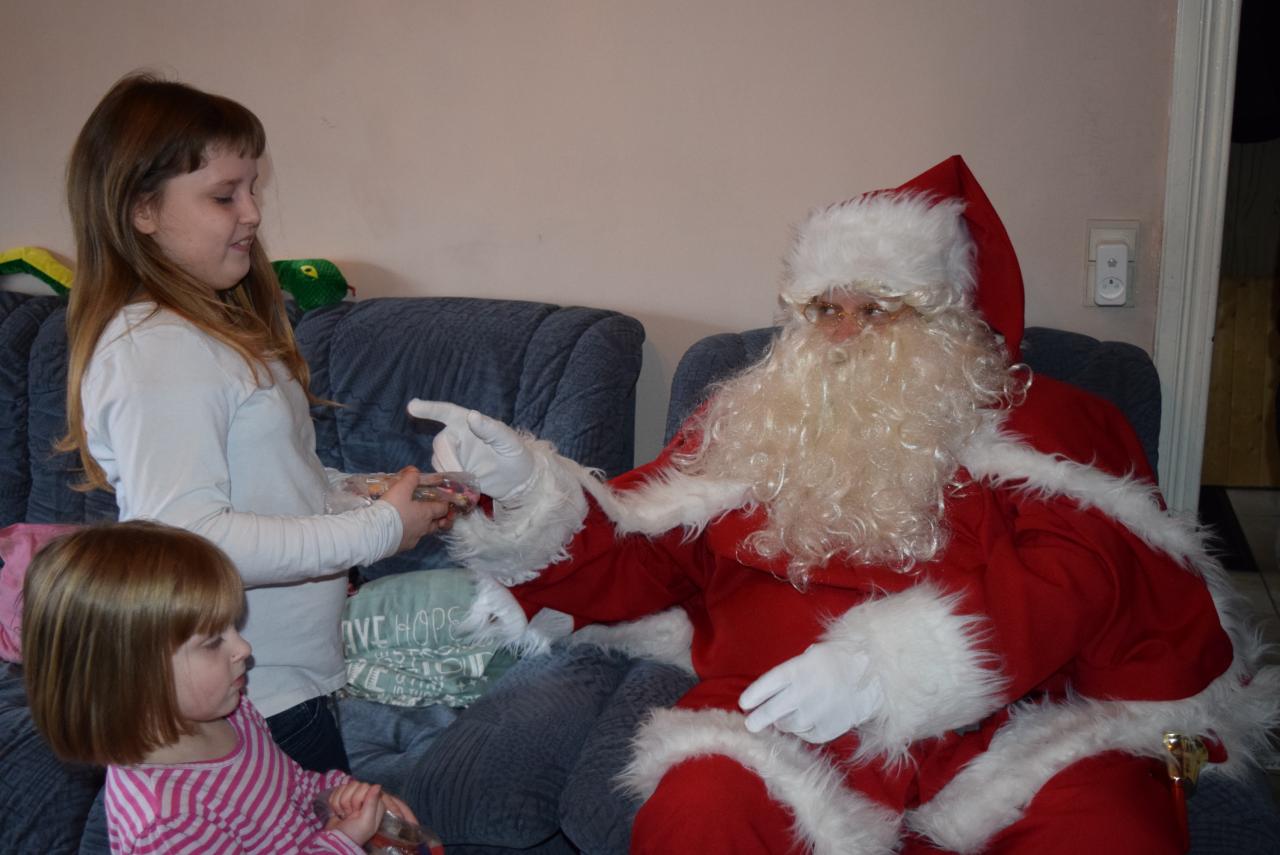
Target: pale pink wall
pixel 647 157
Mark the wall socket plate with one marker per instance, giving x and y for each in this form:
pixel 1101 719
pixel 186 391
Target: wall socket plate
pixel 1110 231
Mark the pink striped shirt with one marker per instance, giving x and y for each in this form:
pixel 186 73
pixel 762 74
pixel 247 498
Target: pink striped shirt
pixel 254 800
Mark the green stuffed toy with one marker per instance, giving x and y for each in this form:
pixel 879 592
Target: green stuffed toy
pixel 32 261
pixel 312 282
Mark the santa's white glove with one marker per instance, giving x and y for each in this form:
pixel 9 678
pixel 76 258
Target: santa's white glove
pixel 823 693
pixel 472 442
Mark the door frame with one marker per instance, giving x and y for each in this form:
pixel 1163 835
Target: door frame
pixel 1204 70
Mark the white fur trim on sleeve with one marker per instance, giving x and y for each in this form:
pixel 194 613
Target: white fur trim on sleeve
pixel 1004 461
pixel 669 499
pixel 1041 739
pixel 665 637
pixel 930 662
pixel 830 818
pixel 525 535
pixel 531 532
pixel 496 618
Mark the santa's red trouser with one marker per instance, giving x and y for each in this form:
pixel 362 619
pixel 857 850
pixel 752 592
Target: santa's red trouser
pixel 1112 804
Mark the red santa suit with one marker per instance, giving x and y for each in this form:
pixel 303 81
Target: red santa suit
pixel 1028 672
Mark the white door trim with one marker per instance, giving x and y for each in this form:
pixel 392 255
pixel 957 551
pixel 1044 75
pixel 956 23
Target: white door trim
pixel 1204 69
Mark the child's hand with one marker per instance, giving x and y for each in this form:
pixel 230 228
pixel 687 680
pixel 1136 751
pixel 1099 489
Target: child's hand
pixel 417 518
pixel 399 808
pixel 356 809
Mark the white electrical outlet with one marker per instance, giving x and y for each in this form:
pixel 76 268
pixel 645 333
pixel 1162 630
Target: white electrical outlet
pixel 1110 268
pixel 1111 275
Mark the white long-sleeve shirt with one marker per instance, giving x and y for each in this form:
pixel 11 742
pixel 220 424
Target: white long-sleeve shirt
pixel 186 436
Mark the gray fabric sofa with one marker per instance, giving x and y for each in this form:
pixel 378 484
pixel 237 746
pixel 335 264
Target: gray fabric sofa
pixel 565 373
pixel 530 766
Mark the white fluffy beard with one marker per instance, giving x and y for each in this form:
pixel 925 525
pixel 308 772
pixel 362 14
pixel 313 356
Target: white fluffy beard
pixel 852 447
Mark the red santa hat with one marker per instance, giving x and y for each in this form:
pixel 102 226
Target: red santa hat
pixel 933 242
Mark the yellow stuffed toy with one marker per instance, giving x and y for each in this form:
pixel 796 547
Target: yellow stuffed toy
pixel 26 262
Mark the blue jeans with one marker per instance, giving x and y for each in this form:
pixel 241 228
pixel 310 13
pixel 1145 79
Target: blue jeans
pixel 309 734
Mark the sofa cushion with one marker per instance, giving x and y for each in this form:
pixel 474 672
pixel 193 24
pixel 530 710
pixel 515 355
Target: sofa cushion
pixel 563 373
pixel 387 744
pixel 496 780
pixel 566 374
pixel 53 498
pixel 43 800
pixel 21 318
pixel 594 813
pixel 18 545
pixel 1229 816
pixel 403 645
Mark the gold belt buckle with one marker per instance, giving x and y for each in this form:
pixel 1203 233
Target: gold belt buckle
pixel 1186 757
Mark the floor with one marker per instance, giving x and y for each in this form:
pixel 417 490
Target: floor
pixel 1258 512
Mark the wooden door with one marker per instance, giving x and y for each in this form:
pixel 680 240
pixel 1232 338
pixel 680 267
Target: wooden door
pixel 1240 446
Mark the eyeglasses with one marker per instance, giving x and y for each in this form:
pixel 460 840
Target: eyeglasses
pixel 867 313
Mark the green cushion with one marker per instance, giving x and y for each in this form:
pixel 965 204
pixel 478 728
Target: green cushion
pixel 402 643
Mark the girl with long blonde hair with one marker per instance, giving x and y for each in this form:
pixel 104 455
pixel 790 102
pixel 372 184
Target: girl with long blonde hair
pixel 187 395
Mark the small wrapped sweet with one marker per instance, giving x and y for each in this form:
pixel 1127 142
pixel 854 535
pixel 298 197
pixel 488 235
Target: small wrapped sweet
pixel 395 835
pixel 355 491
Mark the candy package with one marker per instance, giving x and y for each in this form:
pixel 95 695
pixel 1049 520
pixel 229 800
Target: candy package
pixel 355 491
pixel 394 836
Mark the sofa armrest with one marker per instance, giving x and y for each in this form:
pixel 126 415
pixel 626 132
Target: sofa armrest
pixel 565 374
pixel 1229 816
pixel 594 813
pixel 495 776
pixel 707 361
pixel 43 801
pixel 1117 371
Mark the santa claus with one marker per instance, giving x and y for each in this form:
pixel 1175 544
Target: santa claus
pixel 934 603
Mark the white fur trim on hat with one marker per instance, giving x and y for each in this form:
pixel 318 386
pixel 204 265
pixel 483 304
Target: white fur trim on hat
pixel 903 245
pixel 830 818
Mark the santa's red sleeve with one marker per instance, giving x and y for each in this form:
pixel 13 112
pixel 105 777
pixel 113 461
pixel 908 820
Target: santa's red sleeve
pixel 1034 598
pixel 610 578
pixel 1064 573
pixel 576 545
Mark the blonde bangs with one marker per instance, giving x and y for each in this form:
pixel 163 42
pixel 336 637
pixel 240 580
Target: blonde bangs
pixel 201 591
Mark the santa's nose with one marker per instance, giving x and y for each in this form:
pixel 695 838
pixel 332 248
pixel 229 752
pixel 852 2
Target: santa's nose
pixel 842 330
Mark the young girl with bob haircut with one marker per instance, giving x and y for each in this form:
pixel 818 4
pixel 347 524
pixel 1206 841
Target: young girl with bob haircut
pixel 187 395
pixel 133 661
